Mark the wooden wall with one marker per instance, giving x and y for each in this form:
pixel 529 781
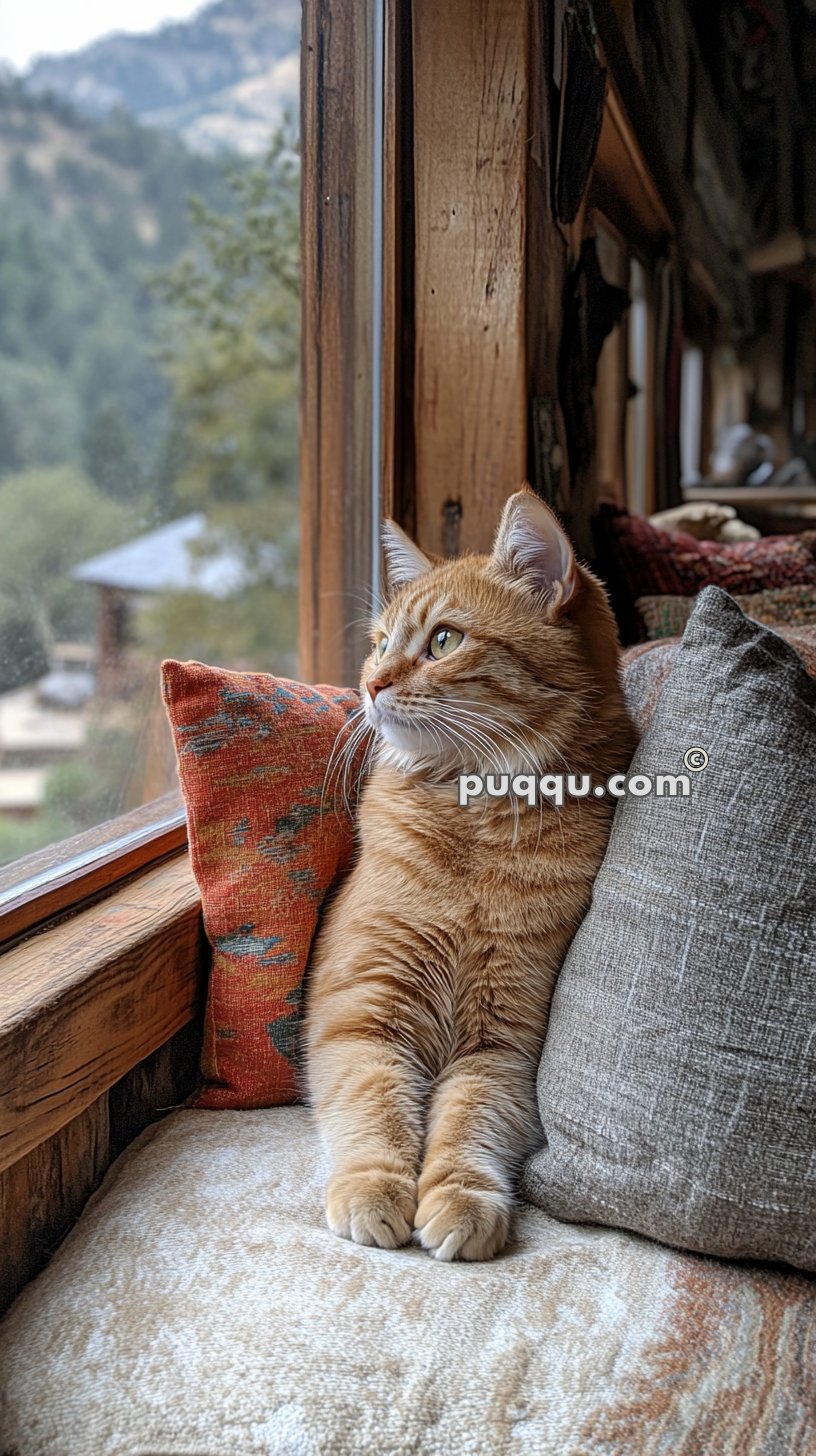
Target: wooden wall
pixel 336 268
pixel 471 145
pixel 513 130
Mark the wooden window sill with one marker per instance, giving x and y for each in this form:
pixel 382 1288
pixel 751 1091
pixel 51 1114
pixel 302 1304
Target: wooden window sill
pixel 84 1001
pixel 59 878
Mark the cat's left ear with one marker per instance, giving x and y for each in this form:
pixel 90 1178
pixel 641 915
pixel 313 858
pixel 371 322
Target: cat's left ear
pixel 403 559
pixel 531 543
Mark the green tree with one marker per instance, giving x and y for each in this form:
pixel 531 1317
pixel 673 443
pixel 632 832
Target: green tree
pixel 10 458
pixel 24 836
pixel 78 243
pixel 52 520
pixel 108 453
pixel 232 353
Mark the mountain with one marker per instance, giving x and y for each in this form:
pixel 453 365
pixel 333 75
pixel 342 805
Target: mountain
pixel 221 80
pixel 90 211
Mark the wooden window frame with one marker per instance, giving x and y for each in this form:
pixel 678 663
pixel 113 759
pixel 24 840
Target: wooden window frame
pixel 73 871
pixel 100 1031
pixel 87 999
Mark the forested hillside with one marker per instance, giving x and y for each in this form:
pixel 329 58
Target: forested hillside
pixel 89 211
pixel 148 367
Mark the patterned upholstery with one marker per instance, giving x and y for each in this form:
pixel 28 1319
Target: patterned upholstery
pixel 779 606
pixel 647 665
pixel 637 559
pixel 266 845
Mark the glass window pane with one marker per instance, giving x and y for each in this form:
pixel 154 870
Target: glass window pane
pixel 149 322
pixel 639 403
pixel 691 414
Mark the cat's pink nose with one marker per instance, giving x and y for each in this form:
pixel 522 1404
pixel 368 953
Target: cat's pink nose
pixel 375 685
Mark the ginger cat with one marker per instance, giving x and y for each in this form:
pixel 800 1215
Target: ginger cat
pixel 433 970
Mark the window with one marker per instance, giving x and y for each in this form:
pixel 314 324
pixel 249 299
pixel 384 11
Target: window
pixel 149 365
pixel 691 414
pixel 639 413
pixel 611 386
pixel 625 385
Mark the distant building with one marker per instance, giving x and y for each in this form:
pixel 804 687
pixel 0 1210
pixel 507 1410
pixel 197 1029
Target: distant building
pixel 36 733
pixel 183 556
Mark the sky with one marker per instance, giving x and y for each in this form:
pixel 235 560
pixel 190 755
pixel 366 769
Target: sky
pixel 29 28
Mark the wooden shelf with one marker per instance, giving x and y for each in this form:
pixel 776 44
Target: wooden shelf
pixel 752 495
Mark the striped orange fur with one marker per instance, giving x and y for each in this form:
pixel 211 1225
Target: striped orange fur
pixel 433 970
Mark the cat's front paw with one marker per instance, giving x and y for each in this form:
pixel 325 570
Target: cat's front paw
pixel 463 1223
pixel 375 1208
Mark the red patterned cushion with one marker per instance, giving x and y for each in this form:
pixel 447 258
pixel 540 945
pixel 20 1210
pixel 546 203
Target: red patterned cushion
pixel 637 559
pixel 252 756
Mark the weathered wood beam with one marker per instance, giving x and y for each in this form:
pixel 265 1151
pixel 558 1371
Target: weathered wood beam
pixel 42 1193
pixel 83 1002
pixel 336 271
pixel 471 144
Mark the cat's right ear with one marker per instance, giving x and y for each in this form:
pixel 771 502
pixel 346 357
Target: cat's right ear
pixel 531 544
pixel 404 561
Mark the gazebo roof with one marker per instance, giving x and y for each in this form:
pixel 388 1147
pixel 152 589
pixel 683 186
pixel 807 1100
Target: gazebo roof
pixel 167 559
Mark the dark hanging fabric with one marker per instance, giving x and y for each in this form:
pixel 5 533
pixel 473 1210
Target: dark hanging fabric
pixel 667 374
pixel 582 90
pixel 592 308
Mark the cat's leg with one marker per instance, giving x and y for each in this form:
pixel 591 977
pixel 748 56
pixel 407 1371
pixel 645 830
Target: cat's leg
pixel 483 1122
pixel 369 1100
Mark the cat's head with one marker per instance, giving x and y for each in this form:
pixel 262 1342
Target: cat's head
pixel 498 663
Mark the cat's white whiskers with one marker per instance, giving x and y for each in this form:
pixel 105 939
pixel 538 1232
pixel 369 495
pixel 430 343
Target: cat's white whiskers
pixel 501 715
pixel 498 723
pixel 543 741
pixel 480 746
pixel 346 754
pixel 527 752
pixel 346 751
pixel 477 741
pixel 500 771
pixel 524 750
pixel 336 751
pixel 351 750
pixel 457 747
pixel 366 598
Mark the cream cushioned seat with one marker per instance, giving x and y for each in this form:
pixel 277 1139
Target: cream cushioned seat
pixel 202 1308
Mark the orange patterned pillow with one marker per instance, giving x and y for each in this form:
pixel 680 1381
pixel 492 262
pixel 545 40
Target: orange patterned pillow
pixel 252 755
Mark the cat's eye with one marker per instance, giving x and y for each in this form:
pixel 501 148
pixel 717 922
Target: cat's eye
pixel 443 641
pixel 379 648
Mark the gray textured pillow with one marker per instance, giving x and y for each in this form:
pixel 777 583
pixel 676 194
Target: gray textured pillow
pixel 677 1088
